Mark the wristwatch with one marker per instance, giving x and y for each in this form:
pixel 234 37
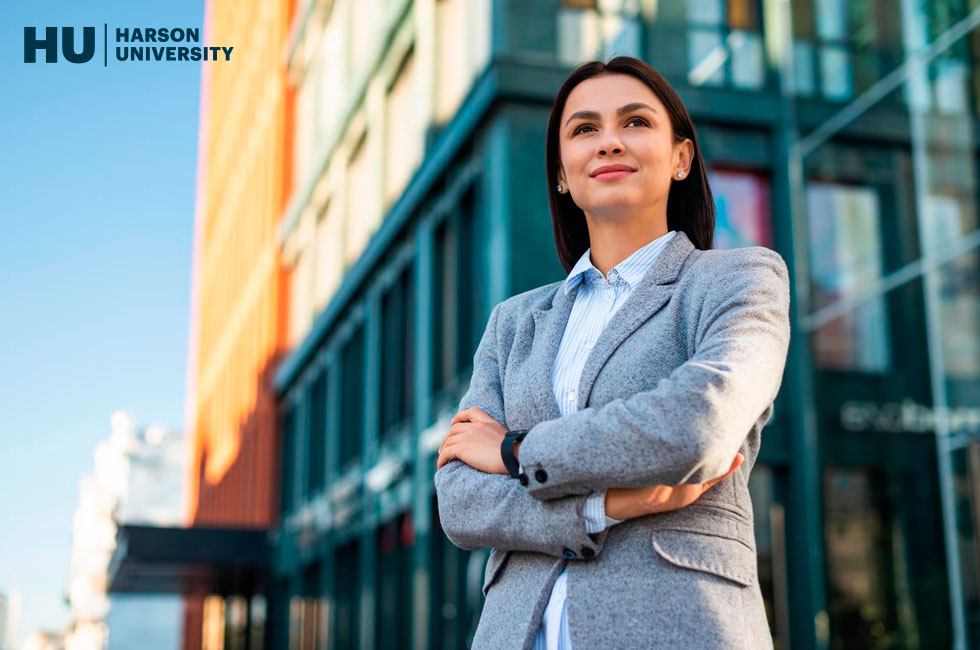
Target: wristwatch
pixel 507 450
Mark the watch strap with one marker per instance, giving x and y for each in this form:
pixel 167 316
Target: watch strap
pixel 507 451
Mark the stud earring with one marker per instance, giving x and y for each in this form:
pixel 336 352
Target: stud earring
pixel 680 174
pixel 559 187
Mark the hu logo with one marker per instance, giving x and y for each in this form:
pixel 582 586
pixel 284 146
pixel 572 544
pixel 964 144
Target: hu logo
pixel 50 44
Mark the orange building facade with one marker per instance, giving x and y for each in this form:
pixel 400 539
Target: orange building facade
pixel 238 313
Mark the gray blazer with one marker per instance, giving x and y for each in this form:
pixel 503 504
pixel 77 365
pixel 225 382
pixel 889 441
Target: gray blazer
pixel 683 376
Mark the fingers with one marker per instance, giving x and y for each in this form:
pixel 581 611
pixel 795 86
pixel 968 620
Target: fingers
pixel 459 427
pixel 472 414
pixel 446 454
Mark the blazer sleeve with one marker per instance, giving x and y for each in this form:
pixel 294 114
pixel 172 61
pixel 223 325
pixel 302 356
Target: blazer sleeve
pixel 689 427
pixel 480 510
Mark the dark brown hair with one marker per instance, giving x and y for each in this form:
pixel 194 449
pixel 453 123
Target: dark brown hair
pixel 690 206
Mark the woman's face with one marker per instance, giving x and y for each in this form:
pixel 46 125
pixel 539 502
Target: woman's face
pixel 594 134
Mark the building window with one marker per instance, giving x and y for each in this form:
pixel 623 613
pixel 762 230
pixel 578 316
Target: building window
pixel 288 464
pixel 318 434
pixel 456 597
pixel 347 595
pixel 393 588
pixel 329 254
pixel 724 45
pixel 403 129
pixel 397 351
pixel 301 295
pixel 312 610
pixel 454 303
pixel 742 210
pixel 846 261
pixel 841 48
pixel 589 29
pixel 462 43
pixel 352 399
pixel 363 203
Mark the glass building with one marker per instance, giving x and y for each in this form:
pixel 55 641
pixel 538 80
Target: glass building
pixel 840 133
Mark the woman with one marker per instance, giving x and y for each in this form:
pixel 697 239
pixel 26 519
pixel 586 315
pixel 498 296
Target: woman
pixel 604 446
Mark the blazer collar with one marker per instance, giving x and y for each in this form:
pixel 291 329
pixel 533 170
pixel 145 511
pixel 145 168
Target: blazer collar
pixel 648 297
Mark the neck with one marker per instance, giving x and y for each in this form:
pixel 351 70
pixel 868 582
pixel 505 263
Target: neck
pixel 613 240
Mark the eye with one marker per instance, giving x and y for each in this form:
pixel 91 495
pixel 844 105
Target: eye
pixel 630 121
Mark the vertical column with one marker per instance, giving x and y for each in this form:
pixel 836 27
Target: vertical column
pixel 914 21
pixel 809 622
pixel 423 472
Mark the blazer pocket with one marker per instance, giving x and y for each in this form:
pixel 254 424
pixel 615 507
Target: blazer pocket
pixel 701 551
pixel 494 564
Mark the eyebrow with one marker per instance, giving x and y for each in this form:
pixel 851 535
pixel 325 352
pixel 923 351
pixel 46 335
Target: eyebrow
pixel 622 110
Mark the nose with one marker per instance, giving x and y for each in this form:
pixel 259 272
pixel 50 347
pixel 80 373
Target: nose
pixel 612 146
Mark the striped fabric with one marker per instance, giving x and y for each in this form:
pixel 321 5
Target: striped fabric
pixel 597 300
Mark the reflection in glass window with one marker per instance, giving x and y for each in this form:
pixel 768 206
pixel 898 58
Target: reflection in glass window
pixel 603 29
pixel 770 538
pixel 845 261
pixel 884 562
pixel 724 35
pixel 393 583
pixel 397 352
pixel 347 596
pixel 742 210
pixel 352 399
pixel 315 454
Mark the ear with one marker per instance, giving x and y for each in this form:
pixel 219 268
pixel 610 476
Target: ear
pixel 561 176
pixel 684 154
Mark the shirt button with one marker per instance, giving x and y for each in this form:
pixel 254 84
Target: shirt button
pixel 541 475
pixel 523 479
pixel 587 552
pixel 569 553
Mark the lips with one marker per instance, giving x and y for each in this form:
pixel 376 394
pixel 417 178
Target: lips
pixel 605 169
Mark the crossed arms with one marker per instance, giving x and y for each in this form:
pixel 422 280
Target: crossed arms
pixel 685 430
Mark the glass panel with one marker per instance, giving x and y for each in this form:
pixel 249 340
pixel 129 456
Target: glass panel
pixel 352 399
pixel 288 463
pixel 885 569
pixel 742 210
pixel 770 536
pixel 347 596
pixel 397 350
pixel 845 263
pixel 835 72
pixel 748 70
pixel 708 12
pixel 706 58
pixel 318 432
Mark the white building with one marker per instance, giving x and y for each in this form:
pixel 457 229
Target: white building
pixel 136 479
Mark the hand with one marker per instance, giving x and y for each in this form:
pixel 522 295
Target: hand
pixel 474 438
pixel 627 503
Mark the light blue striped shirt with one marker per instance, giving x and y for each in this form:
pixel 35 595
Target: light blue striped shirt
pixel 598 298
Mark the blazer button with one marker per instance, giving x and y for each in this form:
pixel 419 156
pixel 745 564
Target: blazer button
pixel 541 475
pixel 523 479
pixel 587 552
pixel 570 554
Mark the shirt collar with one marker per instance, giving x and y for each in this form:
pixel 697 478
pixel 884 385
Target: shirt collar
pixel 631 270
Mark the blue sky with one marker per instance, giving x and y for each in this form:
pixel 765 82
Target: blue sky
pixel 97 173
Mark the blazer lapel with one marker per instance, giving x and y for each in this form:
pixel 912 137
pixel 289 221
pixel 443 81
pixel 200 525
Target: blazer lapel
pixel 651 293
pixel 550 320
pixel 549 327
